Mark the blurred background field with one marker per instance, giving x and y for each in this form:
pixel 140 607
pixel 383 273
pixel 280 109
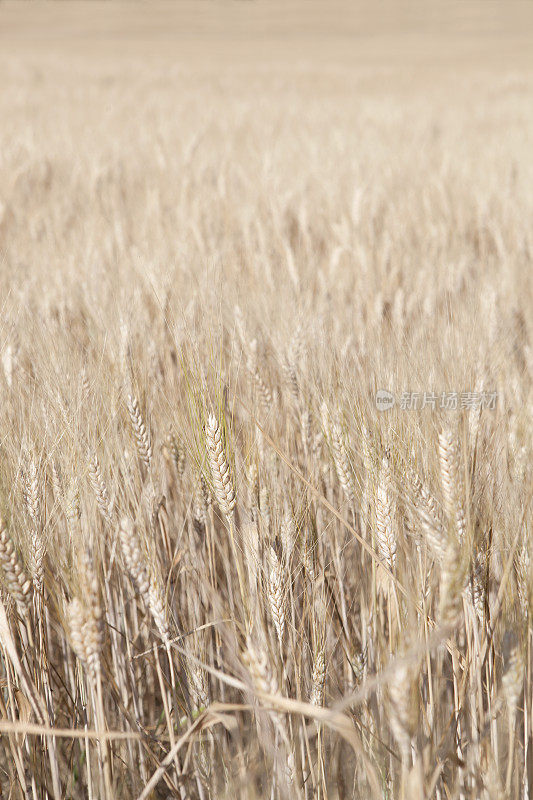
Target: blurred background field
pixel 493 34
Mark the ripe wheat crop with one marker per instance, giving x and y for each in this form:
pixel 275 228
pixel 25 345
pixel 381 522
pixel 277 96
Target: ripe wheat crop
pixel 225 570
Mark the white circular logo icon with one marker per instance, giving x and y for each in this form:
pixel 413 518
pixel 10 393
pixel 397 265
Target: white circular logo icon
pixel 384 400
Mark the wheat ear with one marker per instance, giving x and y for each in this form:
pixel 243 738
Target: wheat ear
pixel 276 595
pixel 430 517
pixel 264 682
pixel 404 704
pixel 220 469
pixel 99 488
pixel 136 566
pixel 318 679
pixel 512 684
pixel 16 580
pixel 177 453
pixel 333 433
pixel 57 483
pixel 385 534
pixel 451 584
pixel 342 462
pixel 85 635
pixel 36 558
pixel 140 431
pixel 31 494
pixel 513 675
pixel 451 481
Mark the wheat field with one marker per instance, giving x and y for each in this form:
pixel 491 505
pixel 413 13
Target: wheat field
pixel 266 360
